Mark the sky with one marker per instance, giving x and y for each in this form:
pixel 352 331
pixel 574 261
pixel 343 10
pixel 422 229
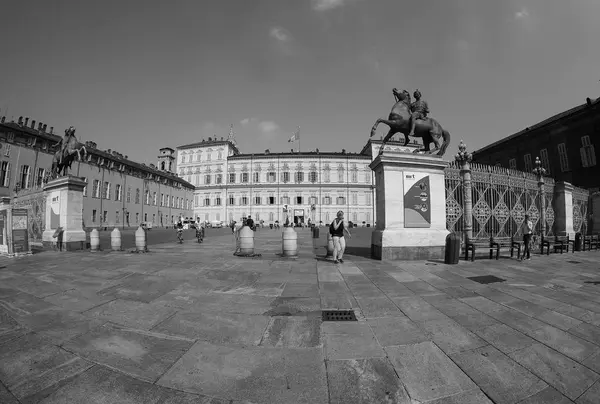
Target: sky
pixel 135 76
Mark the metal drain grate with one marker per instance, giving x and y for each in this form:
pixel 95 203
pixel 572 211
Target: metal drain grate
pixel 485 279
pixel 574 262
pixel 339 315
pixel 593 282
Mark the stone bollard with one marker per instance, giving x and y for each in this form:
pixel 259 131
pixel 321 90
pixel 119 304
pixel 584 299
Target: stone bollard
pixel 94 240
pixel 115 240
pixel 140 240
pixel 246 241
pixel 290 242
pixel 329 246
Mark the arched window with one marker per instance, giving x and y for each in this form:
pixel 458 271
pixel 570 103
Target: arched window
pixel 162 166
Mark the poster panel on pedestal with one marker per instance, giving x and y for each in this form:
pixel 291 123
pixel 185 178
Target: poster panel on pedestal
pixel 417 200
pixel 19 231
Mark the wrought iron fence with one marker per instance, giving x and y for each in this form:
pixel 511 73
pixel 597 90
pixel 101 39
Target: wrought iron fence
pixel 580 210
pixel 500 200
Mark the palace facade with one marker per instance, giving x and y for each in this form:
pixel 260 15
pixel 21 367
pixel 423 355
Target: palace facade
pixel 566 143
pixel 275 187
pixel 121 192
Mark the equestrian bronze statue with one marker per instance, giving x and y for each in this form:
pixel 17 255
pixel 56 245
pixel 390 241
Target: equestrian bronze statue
pixel 411 119
pixel 68 148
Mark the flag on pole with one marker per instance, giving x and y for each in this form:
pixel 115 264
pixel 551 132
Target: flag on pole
pixel 295 136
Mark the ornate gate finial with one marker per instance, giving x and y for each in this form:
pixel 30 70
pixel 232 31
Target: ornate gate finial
pixel 539 170
pixel 463 156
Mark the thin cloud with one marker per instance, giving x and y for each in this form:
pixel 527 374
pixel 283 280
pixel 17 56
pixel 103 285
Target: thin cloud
pixel 247 121
pixel 268 128
pixel 280 34
pixel 324 5
pixel 521 15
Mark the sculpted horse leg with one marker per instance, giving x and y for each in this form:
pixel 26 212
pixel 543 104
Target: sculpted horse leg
pixel 387 137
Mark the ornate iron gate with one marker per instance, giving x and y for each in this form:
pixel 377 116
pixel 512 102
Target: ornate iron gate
pixel 501 198
pixel 580 210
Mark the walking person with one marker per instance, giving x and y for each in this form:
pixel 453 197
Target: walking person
pixel 337 229
pixel 527 234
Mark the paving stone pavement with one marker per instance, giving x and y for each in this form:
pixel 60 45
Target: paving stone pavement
pixel 191 323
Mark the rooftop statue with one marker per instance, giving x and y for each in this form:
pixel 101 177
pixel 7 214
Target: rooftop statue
pixel 68 148
pixel 411 119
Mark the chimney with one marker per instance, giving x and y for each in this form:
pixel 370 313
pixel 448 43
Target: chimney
pixel 108 151
pixel 40 126
pixel 126 157
pixel 26 121
pixel 3 118
pixel 317 150
pixel 267 151
pixel 51 130
pixel 210 139
pixel 221 138
pixel 20 121
pixel 588 101
pixel 32 124
pixel 44 128
pixel 343 151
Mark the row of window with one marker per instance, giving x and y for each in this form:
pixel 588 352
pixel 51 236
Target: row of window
pixel 586 152
pixel 198 157
pixel 284 200
pixel 271 177
pixel 105 192
pixel 105 219
pixel 272 216
pixel 25 180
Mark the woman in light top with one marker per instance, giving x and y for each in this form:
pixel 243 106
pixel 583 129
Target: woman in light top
pixel 527 228
pixel 337 229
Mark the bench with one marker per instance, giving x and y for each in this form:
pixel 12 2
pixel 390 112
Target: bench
pixel 473 243
pixel 509 242
pixel 557 243
pixel 592 242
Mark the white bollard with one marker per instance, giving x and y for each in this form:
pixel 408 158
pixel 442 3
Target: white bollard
pixel 140 240
pixel 94 240
pixel 115 240
pixel 290 242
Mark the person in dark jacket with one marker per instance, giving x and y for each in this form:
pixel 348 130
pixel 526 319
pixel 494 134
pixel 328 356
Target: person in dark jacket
pixel 337 229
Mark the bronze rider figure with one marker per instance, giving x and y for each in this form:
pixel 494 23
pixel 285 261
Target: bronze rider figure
pixel 419 110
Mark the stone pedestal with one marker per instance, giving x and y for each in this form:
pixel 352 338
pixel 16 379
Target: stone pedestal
pixel 64 209
pixel 410 207
pixel 563 209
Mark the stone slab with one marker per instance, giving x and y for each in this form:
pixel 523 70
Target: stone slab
pixel 593 362
pixel 562 373
pixel 6 397
pixel 131 313
pixel 31 364
pixel 359 344
pixel 300 290
pixel 221 328
pixel 378 307
pixel 547 396
pixel 364 381
pixel 558 320
pixel 256 374
pixel 421 288
pixel 517 320
pixel 427 372
pixel 476 321
pixel 407 253
pixel 505 338
pixel 22 304
pixel 587 332
pixel 501 378
pixel 417 309
pixel 591 396
pixel 293 332
pixel 482 304
pixel 450 336
pixel 140 288
pixel 77 300
pixel 391 331
pixel 59 324
pixel 101 385
pixel 475 396
pixel 565 343
pixel 143 355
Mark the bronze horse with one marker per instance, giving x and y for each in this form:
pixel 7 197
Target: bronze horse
pixel 69 147
pixel 398 121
